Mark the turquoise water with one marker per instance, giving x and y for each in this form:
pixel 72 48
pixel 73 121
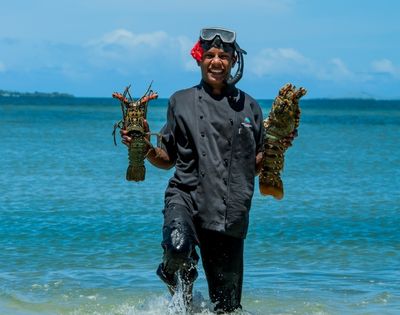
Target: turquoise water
pixel 76 238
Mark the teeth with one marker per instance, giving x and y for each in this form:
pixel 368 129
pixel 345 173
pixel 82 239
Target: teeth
pixel 216 71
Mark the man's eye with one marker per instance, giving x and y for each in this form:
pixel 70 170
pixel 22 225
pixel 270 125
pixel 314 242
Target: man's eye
pixel 222 57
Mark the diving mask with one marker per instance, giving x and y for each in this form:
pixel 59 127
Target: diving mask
pixel 227 36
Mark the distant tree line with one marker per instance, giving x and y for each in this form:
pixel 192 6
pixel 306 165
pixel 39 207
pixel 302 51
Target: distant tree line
pixel 4 93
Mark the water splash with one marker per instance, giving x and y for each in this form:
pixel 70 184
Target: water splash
pixel 181 301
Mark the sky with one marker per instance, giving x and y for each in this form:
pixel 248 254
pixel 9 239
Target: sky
pixel 91 48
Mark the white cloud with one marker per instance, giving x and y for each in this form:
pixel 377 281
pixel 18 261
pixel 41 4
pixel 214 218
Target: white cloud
pixel 121 43
pixel 385 66
pixel 126 50
pixel 272 61
pixel 339 69
pixel 128 39
pixel 290 62
pixel 336 70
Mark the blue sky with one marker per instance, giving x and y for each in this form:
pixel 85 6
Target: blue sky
pixel 334 48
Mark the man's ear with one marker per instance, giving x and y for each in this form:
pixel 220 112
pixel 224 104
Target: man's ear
pixel 234 59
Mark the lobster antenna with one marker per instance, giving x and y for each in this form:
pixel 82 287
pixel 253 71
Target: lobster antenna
pixel 130 96
pixel 147 92
pixel 149 88
pixel 122 102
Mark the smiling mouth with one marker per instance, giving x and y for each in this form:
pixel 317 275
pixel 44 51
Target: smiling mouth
pixel 216 72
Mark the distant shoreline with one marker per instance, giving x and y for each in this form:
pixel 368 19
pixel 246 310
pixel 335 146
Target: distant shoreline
pixel 14 94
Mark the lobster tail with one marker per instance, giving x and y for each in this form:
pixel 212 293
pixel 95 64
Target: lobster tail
pixel 136 152
pixel 270 180
pixel 135 173
pixel 272 186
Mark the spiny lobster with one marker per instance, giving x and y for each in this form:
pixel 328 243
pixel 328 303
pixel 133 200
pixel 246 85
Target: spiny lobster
pixel 134 114
pixel 282 122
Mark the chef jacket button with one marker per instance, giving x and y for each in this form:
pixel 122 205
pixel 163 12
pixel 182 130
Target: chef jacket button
pixel 202 173
pixel 231 121
pixel 202 134
pixel 203 153
pixel 229 141
pixel 226 162
pixel 201 116
pixel 225 181
pixel 224 200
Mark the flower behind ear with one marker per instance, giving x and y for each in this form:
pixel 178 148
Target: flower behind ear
pixel 197 51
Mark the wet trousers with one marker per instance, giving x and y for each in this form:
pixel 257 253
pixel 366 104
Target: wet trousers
pixel 221 255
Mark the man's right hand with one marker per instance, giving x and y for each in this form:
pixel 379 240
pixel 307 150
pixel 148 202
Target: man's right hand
pixel 156 156
pixel 127 140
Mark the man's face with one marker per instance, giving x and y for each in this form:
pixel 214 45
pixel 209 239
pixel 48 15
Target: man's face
pixel 216 66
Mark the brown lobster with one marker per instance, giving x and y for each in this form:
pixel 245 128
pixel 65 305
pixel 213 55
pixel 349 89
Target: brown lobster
pixel 134 114
pixel 283 121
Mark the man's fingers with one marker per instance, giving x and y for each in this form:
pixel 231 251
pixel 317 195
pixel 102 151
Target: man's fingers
pixel 145 125
pixel 127 143
pixel 148 142
pixel 126 140
pixel 123 132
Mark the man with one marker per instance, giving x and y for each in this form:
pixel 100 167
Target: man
pixel 213 136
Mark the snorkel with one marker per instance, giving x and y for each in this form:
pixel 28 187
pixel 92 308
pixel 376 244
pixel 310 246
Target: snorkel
pixel 240 63
pixel 224 39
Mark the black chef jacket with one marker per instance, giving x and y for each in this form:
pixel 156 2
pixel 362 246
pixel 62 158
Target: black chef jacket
pixel 214 141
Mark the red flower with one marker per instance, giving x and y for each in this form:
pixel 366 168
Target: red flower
pixel 197 51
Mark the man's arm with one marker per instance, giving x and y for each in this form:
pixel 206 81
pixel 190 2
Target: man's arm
pixel 259 159
pixel 159 158
pixel 156 156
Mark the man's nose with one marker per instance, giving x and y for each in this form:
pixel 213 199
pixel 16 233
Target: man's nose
pixel 216 60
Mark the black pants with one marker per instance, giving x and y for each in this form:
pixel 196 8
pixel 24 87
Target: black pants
pixel 222 257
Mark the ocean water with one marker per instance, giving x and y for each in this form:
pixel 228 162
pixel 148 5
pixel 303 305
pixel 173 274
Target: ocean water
pixel 77 238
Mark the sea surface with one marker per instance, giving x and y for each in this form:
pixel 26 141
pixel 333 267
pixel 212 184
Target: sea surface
pixel 77 238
